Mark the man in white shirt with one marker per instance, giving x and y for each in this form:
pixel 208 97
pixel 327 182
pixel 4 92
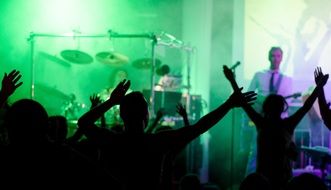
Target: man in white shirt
pixel 270 81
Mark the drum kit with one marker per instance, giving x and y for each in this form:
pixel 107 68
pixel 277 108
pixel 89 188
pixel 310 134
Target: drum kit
pixel 70 57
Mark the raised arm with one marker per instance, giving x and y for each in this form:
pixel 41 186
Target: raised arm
pixel 323 105
pixel 90 117
pixel 252 114
pixel 182 112
pixel 10 82
pixel 186 134
pixel 95 101
pixel 320 80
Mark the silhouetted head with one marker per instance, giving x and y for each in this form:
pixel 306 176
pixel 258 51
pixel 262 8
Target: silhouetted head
pixel 134 112
pixel 26 122
pixel 163 70
pixel 275 57
pixel 306 181
pixel 255 181
pixel 274 105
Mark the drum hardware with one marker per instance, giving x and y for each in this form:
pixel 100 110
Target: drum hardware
pixel 55 59
pixel 112 58
pixel 76 56
pixel 145 63
pixel 72 108
pixel 52 91
pixel 323 154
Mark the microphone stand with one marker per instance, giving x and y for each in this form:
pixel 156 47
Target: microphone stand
pixel 232 136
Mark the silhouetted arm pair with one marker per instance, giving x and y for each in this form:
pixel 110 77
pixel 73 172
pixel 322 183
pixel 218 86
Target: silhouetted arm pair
pixel 206 122
pixel 252 114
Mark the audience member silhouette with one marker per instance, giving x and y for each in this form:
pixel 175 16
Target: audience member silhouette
pixel 173 158
pixel 255 181
pixel 306 181
pixel 10 82
pixel 134 157
pixel 58 129
pixel 155 124
pixel 274 145
pixel 31 158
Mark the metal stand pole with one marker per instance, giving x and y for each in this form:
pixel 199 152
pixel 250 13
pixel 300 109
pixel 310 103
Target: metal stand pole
pixel 31 40
pixel 232 141
pixel 152 96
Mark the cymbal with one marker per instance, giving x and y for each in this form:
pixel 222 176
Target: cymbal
pixel 52 91
pixel 55 59
pixel 76 56
pixel 145 63
pixel 112 58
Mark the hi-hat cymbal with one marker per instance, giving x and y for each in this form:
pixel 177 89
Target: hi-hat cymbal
pixel 112 58
pixel 145 63
pixel 76 56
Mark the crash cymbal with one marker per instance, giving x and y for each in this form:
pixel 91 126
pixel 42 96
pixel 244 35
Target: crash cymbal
pixel 112 58
pixel 76 56
pixel 145 63
pixel 51 91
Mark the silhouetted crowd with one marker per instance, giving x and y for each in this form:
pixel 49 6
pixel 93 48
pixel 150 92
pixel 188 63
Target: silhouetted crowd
pixel 137 155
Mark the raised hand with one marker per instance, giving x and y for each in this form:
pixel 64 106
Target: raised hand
pixel 320 78
pixel 10 82
pixel 240 99
pixel 95 100
pixel 230 76
pixel 182 112
pixel 228 73
pixel 120 90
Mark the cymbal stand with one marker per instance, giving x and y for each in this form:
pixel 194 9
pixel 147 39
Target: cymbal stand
pixel 174 43
pixel 151 36
pixel 32 38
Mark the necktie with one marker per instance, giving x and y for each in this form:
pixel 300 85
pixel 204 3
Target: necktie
pixel 271 84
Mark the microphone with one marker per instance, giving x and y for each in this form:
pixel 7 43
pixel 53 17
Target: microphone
pixel 171 37
pixel 235 65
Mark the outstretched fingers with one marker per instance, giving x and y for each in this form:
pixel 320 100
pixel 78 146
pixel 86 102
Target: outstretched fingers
pixel 250 97
pixel 11 81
